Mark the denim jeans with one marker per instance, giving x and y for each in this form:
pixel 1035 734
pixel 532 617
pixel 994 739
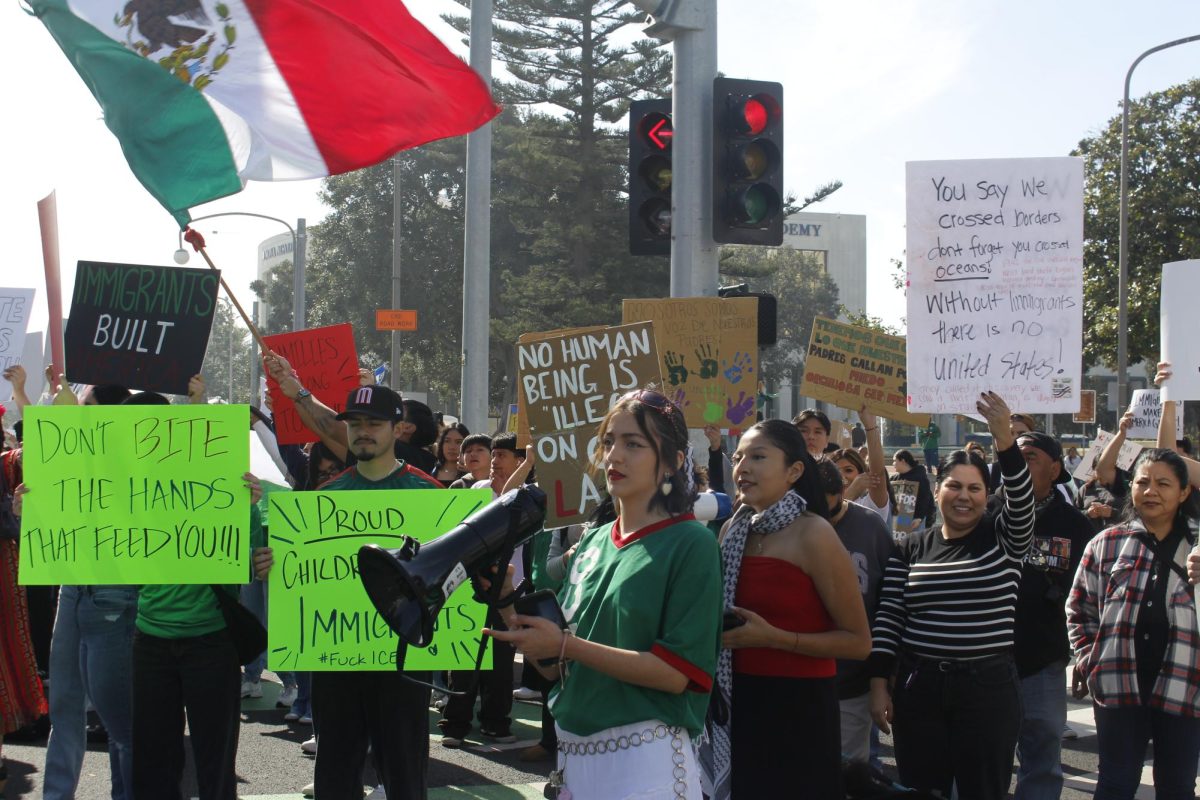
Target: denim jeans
pixel 254 597
pixel 956 724
pixel 91 655
pixel 1122 735
pixel 1039 742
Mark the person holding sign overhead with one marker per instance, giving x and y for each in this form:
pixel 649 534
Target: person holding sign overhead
pixel 942 670
pixel 382 709
pixel 634 681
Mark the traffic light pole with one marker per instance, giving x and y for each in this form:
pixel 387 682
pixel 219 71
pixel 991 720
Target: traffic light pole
pixel 692 26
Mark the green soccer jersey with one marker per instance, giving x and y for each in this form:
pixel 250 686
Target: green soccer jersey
pixel 404 476
pixel 658 591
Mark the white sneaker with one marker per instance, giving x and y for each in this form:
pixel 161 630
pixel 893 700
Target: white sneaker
pixel 1069 732
pixel 305 719
pixel 291 716
pixel 309 790
pixel 310 746
pixel 287 697
pixel 252 689
pixel 525 693
pixel 377 794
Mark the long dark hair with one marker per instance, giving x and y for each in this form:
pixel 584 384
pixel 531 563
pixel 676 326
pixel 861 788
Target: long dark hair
pixel 1189 509
pixel 967 458
pixel 787 437
pixel 663 425
pixel 441 442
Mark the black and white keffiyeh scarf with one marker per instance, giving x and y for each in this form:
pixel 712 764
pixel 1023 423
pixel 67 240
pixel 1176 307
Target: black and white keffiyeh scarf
pixel 716 750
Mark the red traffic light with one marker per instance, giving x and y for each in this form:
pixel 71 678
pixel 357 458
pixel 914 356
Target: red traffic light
pixel 655 129
pixel 754 114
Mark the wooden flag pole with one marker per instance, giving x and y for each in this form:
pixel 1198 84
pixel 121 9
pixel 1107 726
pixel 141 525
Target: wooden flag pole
pixel 193 237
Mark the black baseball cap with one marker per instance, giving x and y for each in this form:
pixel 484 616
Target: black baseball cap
pixel 1048 445
pixel 376 402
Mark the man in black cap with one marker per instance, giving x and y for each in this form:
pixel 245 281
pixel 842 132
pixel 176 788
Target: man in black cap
pixel 380 708
pixel 1041 651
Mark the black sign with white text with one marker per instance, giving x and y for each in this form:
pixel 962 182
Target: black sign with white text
pixel 138 326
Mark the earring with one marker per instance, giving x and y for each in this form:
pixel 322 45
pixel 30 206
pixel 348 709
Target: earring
pixel 667 486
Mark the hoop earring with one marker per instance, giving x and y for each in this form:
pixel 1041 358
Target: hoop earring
pixel 667 486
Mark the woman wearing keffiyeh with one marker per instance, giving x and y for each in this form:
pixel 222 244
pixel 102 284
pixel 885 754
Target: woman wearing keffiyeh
pixel 791 582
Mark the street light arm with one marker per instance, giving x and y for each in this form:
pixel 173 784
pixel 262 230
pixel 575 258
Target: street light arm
pixel 1123 225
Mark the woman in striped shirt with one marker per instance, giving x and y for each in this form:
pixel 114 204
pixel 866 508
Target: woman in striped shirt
pixel 941 663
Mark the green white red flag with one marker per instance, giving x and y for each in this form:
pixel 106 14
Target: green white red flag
pixel 207 94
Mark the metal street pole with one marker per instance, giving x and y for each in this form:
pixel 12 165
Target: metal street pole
pixel 298 275
pixel 397 231
pixel 477 240
pixel 1123 249
pixel 692 26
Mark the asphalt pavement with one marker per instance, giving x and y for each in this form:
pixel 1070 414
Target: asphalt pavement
pixel 271 765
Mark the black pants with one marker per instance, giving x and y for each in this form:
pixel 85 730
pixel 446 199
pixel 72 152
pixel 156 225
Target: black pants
pixel 198 675
pixel 957 723
pixel 377 707
pixel 786 738
pixel 494 688
pixel 538 682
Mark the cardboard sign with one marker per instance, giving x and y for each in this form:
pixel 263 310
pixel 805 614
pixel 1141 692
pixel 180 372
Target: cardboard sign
pixel 995 283
pixel 851 366
pixel 320 618
pixel 326 361
pixel 395 319
pixel 567 384
pixel 1087 407
pixel 1177 329
pixel 522 420
pixel 15 307
pixel 1146 405
pixel 1125 457
pixel 139 326
pixel 708 348
pixel 136 494
pixel 906 505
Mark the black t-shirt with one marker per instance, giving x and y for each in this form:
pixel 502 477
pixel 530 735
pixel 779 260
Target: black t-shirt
pixel 1060 533
pixel 1152 631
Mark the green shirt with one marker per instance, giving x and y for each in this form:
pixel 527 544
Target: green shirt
pixel 659 592
pixel 930 437
pixel 179 611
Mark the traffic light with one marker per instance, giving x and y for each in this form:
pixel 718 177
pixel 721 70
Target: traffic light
pixel 747 162
pixel 650 177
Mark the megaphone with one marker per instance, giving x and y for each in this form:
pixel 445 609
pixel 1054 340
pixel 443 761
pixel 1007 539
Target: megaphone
pixel 410 585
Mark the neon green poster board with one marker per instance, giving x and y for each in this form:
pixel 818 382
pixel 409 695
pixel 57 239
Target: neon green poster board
pixel 136 494
pixel 319 616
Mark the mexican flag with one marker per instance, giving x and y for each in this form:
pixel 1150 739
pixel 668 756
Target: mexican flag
pixel 205 95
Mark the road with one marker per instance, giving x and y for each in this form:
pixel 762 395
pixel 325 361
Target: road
pixel 272 767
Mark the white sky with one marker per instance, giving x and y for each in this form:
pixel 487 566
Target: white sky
pixel 868 86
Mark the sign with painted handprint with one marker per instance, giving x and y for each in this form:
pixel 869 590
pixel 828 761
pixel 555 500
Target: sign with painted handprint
pixel 709 352
pixel 855 367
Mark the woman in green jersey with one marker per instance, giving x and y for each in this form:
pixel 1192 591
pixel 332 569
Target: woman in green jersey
pixel 642 600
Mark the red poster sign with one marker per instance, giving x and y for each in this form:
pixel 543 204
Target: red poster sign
pixel 327 364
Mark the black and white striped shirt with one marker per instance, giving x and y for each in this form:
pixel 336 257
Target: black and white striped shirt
pixel 954 599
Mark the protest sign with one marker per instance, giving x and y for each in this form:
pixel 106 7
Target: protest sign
pixel 567 384
pixel 522 420
pixel 15 307
pixel 320 618
pixel 139 326
pixel 708 351
pixel 1087 407
pixel 135 494
pixel 1126 456
pixel 1177 329
pixel 995 283
pixel 905 493
pixel 31 359
pixel 851 366
pixel 1146 405
pixel 327 364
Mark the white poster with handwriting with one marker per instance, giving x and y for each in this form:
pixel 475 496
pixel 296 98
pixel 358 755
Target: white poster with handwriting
pixel 15 308
pixel 1146 405
pixel 1177 329
pixel 995 283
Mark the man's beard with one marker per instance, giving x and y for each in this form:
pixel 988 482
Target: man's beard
pixel 366 451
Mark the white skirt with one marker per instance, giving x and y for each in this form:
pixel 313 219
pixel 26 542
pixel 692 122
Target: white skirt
pixel 646 771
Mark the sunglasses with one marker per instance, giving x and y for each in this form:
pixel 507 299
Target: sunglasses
pixel 648 397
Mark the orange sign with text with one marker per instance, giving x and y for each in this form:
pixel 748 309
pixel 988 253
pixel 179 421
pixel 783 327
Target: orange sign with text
pixel 395 319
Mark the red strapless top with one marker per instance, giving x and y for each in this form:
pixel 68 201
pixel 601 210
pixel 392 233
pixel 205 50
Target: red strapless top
pixel 784 595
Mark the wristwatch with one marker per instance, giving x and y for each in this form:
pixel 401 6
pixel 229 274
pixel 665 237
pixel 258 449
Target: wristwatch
pixel 303 393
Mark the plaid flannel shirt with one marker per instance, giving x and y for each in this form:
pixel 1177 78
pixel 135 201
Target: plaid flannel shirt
pixel 1102 614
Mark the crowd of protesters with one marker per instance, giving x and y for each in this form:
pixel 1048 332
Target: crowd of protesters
pixel 839 599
